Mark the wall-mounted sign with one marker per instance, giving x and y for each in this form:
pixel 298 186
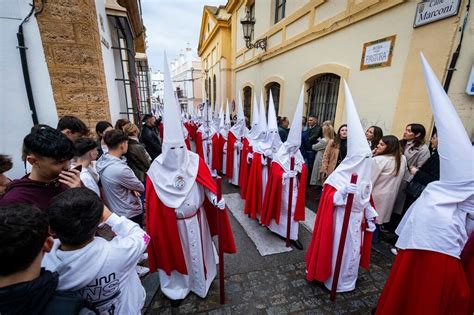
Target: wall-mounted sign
pixel 470 83
pixel 104 42
pixel 434 10
pixel 378 53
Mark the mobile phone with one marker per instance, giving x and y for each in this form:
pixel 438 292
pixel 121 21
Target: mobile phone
pixel 78 167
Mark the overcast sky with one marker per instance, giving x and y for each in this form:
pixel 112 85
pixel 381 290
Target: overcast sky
pixel 170 24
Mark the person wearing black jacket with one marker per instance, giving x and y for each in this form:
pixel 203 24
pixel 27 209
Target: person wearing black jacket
pixel 149 136
pixel 26 288
pixel 427 173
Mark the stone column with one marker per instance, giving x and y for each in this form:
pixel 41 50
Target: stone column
pixel 72 46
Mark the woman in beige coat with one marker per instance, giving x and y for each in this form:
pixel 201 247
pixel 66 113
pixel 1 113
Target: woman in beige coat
pixel 335 152
pixel 320 147
pixel 416 152
pixel 388 168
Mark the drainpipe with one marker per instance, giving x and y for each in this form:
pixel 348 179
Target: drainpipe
pixel 454 58
pixel 24 65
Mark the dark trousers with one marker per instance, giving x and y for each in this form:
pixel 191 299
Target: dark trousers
pixel 137 219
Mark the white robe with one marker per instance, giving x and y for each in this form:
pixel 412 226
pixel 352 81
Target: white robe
pixel 280 229
pixel 208 157
pixel 351 258
pixel 224 157
pixel 198 250
pixel 236 164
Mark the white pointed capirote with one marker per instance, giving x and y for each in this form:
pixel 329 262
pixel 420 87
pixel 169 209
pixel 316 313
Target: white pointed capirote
pixel 454 147
pixel 221 118
pixel 239 129
pixel 294 136
pixel 240 108
pixel 438 220
pixel 358 159
pixel 174 171
pixel 262 120
pixel 255 128
pixel 291 147
pixel 227 114
pixel 272 119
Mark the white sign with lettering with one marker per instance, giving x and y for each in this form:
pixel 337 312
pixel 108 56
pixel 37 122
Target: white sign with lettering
pixel 377 53
pixel 431 11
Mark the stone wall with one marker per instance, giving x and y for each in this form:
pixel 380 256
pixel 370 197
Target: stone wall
pixel 70 36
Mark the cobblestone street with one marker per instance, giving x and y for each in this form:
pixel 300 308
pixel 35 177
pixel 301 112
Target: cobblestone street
pixel 276 284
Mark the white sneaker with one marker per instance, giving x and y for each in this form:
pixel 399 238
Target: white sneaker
pixel 144 257
pixel 394 251
pixel 142 271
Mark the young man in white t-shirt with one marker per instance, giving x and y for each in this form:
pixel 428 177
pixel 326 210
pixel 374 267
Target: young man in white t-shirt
pixel 102 271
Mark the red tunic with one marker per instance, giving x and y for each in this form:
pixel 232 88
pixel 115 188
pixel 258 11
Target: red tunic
pixel 215 149
pixel 164 250
pixel 229 168
pixel 425 282
pixel 273 195
pixel 244 168
pixel 320 250
pixel 467 258
pixel 254 198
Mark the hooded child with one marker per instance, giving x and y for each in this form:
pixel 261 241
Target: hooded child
pixel 322 251
pixel 258 174
pixel 247 149
pixel 181 212
pixel 427 276
pixel 276 202
pixel 235 140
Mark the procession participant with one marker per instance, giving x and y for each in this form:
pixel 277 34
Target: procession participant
pixel 323 249
pixel 247 150
pixel 258 174
pixel 180 217
pixel 207 142
pixel 276 201
pixel 223 139
pixel 236 137
pixel 427 275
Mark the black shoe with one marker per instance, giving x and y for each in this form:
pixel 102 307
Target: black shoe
pixel 297 244
pixel 176 303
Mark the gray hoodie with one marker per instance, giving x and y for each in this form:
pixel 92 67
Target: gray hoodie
pixel 119 182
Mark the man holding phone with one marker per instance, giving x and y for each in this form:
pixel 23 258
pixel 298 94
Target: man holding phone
pixel 48 151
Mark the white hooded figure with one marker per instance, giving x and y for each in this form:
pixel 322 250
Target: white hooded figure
pixel 206 132
pixel 238 131
pixel 273 141
pixel 291 147
pixel 223 132
pixel 358 160
pixel 172 176
pixel 437 225
pixel 263 144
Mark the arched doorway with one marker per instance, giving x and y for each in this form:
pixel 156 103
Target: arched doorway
pixel 322 96
pixel 274 88
pixel 214 91
pixel 247 101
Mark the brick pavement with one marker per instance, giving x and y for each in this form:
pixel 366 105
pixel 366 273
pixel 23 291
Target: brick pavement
pixel 276 284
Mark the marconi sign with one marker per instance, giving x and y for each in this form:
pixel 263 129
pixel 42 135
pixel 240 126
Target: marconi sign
pixel 431 11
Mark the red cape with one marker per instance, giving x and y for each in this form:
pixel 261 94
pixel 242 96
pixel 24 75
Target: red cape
pixel 425 282
pixel 164 250
pixel 273 195
pixel 162 134
pixel 319 255
pixel 229 168
pixel 215 149
pixel 244 168
pixel 467 258
pixel 254 198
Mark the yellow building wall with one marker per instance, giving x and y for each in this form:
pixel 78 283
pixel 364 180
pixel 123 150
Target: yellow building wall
pixel 332 41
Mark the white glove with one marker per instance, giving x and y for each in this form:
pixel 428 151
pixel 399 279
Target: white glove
pixel 268 153
pixel 370 212
pixel 249 157
pixel 341 195
pixel 220 204
pixel 238 145
pixel 370 226
pixel 290 174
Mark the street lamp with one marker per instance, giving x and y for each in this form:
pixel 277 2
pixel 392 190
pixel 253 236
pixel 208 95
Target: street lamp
pixel 248 26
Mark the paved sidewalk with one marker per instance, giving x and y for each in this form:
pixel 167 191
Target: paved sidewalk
pixel 276 284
